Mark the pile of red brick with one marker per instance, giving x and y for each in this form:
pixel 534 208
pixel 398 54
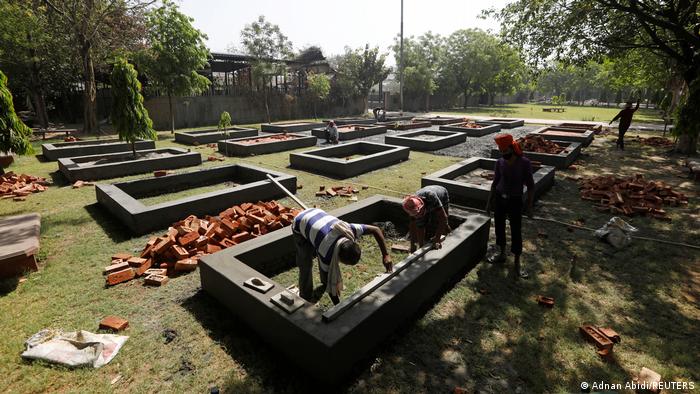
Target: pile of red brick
pixel 655 141
pixel 272 138
pixel 180 248
pixel 631 196
pixel 536 143
pixel 342 191
pixel 470 125
pixel 18 187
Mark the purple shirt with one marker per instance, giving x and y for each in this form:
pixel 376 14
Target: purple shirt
pixel 510 178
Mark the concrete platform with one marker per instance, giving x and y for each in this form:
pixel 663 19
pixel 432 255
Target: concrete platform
pixel 441 120
pixel 60 150
pixel 329 349
pixel 505 123
pixel 553 133
pixel 121 199
pixel 576 125
pixel 561 161
pixel 290 127
pixel 95 167
pixel 333 161
pixel 478 132
pixel 442 139
pixel 405 124
pixel 208 136
pixel 475 194
pixel 19 243
pixel 352 131
pixel 347 121
pixel 237 147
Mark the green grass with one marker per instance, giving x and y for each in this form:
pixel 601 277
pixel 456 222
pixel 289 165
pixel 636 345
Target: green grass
pixel 176 195
pixel 497 341
pixel 577 113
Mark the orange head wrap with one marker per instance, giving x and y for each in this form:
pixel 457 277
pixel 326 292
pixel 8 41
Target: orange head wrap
pixel 413 205
pixel 505 140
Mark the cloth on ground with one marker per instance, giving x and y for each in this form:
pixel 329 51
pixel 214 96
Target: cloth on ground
pixel 73 349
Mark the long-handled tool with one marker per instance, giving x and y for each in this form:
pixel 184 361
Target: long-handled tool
pixel 284 189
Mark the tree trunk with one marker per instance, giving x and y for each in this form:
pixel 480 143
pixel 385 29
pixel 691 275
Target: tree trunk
pixel 172 113
pixel 688 123
pixel 37 92
pixel 365 103
pixel 267 107
pixel 133 148
pixel 427 102
pixel 466 99
pixel 90 92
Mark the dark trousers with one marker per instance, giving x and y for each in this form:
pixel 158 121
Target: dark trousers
pixel 512 207
pixel 621 136
pixel 305 262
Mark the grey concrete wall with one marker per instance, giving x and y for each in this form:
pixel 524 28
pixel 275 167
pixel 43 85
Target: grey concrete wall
pixel 197 111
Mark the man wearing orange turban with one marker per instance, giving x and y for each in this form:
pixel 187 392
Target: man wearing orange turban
pixel 512 173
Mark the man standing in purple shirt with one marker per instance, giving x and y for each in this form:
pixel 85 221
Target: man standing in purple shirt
pixel 513 171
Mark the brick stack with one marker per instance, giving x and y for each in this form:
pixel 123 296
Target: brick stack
pixel 71 139
pixel 18 187
pixel 655 141
pixel 342 191
pixel 537 143
pixel 186 241
pixel 470 125
pixel 631 196
pixel 272 138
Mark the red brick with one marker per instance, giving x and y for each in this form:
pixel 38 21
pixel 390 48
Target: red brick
pixel 241 237
pixel 160 173
pixel 256 219
pixel 400 248
pixel 156 271
pixel 162 246
pixel 143 268
pixel 239 210
pixel 179 252
pixel 231 227
pixel 121 256
pixel 275 226
pixel 156 280
pixel 113 323
pixel 211 230
pixel 331 192
pixel 246 206
pixel 188 239
pixel 212 248
pixel 117 265
pixel 120 276
pixel 136 261
pixel 186 265
pixel 545 301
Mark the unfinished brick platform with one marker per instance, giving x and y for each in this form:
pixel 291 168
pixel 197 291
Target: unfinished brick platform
pixel 290 127
pixel 352 131
pixel 441 120
pixel 406 124
pixel 19 243
pixel 328 345
pixel 270 143
pixel 426 140
pixel 586 126
pixel 201 137
pixel 346 121
pixel 505 123
pixel 116 165
pixel 121 199
pixel 561 160
pixel 59 150
pixel 554 133
pixel 337 161
pixel 473 193
pixel 472 129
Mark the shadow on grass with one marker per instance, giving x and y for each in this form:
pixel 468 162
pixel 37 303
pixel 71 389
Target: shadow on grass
pixel 58 179
pixel 8 285
pixel 115 230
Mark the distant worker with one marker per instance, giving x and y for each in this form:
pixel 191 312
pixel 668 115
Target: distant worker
pixel 334 241
pixel 513 171
pixel 332 136
pixel 379 114
pixel 428 211
pixel 625 117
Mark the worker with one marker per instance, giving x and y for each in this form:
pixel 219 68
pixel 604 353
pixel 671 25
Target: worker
pixel 379 114
pixel 512 172
pixel 334 241
pixel 625 117
pixel 332 136
pixel 428 212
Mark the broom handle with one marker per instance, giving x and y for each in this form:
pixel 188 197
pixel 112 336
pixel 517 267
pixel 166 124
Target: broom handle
pixel 284 189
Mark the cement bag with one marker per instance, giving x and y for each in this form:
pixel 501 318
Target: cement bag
pixel 617 232
pixel 73 349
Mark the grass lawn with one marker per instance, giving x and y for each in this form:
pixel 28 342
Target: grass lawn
pixel 487 333
pixel 534 111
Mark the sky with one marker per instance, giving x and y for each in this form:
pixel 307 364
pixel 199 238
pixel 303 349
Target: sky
pixel 333 24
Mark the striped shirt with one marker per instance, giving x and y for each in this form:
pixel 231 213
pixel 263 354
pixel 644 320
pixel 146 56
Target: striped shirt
pixel 315 225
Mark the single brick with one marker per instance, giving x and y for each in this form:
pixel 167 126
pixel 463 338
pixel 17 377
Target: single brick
pixel 188 239
pixel 136 261
pixel 179 252
pixel 143 268
pixel 156 271
pixel 186 265
pixel 156 280
pixel 117 265
pixel 121 256
pixel 162 246
pixel 120 276
pixel 212 248
pixel 241 237
pixel 113 323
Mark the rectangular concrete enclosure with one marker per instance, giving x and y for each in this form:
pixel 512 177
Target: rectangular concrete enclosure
pixel 505 123
pixel 426 140
pixel 328 349
pixel 208 136
pixel 121 199
pixel 345 121
pixel 265 144
pixel 59 150
pixel 122 164
pixel 475 191
pixel 351 131
pixel 561 160
pixel 470 130
pixel 337 161
pixel 586 126
pixel 406 124
pixel 290 127
pixel 440 120
pixel 554 133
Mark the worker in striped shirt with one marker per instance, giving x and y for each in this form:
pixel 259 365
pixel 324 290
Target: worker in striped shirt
pixel 317 233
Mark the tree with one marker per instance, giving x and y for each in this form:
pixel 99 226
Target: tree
pixel 129 116
pixel 224 121
pixel 421 59
pixel 14 134
pixel 363 69
pixel 268 47
pixel 97 29
pixel 319 86
pixel 578 30
pixel 175 54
